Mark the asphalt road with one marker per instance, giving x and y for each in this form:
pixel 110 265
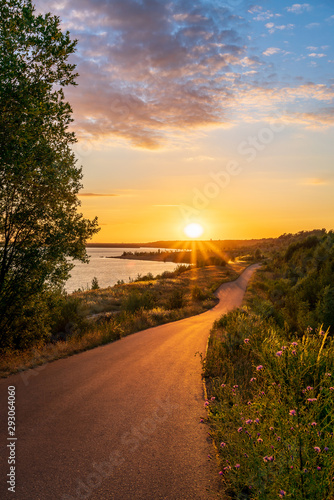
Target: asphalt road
pixel 119 422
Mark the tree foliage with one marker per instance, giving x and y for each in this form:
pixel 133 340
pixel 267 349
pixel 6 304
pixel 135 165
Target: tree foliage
pixel 40 226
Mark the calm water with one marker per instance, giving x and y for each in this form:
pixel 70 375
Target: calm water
pixel 109 271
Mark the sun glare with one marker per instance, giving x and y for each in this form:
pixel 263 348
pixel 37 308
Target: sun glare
pixel 193 230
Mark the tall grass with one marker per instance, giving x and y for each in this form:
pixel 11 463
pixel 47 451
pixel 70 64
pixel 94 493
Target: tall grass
pixel 271 409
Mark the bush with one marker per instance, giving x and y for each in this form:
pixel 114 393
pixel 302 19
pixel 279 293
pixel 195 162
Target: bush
pixel 176 300
pixel 136 301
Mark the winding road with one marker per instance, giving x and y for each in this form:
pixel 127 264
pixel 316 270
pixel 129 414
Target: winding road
pixel 121 421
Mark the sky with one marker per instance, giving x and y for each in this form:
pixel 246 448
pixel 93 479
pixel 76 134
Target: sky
pixel 212 112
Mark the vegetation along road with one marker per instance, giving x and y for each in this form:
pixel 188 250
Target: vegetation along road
pixel 121 421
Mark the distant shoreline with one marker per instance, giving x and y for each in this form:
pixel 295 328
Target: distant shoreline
pixel 178 257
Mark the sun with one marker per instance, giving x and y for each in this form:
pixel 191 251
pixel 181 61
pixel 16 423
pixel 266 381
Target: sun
pixel 193 230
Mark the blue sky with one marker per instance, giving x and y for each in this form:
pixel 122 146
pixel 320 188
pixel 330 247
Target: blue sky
pixel 170 92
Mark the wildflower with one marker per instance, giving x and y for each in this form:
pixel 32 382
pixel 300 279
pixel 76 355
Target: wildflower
pixel 328 374
pixel 318 468
pixel 322 332
pixel 206 404
pixel 246 456
pixel 249 421
pixel 221 472
pixel 317 449
pixel 294 353
pixel 249 403
pixel 260 440
pixel 271 428
pixel 213 398
pixel 291 466
pixel 331 388
pixel 223 385
pixel 209 457
pixel 309 388
pixel 262 393
pixel 235 387
pixel 305 471
pixel 314 424
pixel 278 438
pixel 284 347
pixel 265 459
pixel 292 429
pixel 223 445
pixel 294 344
pixel 260 367
pixel 292 412
pixel 252 379
pixel 240 429
pixel 237 466
pixel 202 420
pixel 227 468
pixel 326 449
pixel 246 341
pixel 281 493
pixel 257 421
pixel 311 400
pixel 309 329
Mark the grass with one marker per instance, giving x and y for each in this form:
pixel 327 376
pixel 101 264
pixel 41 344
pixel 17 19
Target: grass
pixel 271 409
pixel 100 316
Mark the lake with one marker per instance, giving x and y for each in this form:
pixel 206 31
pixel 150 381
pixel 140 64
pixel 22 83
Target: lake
pixel 109 271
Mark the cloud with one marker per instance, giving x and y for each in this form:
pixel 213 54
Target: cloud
pixel 313 54
pixel 272 27
pixel 312 25
pixel 299 8
pixel 94 195
pixel 265 15
pixel 316 182
pixel 271 51
pixel 151 68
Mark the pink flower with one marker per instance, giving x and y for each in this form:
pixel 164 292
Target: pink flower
pixel 317 449
pixel 292 412
pixel 257 421
pixel 294 353
pixel 260 440
pixel 281 493
pixel 311 400
pixel 260 367
pixel 318 468
pixel 223 445
pixel 252 379
pixel 221 472
pixel 213 398
pixel 240 429
pixel 237 466
pixel 246 341
pixel 294 344
pixel 314 424
pixel 249 421
pixel 223 385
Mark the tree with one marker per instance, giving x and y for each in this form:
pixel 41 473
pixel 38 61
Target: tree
pixel 40 226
